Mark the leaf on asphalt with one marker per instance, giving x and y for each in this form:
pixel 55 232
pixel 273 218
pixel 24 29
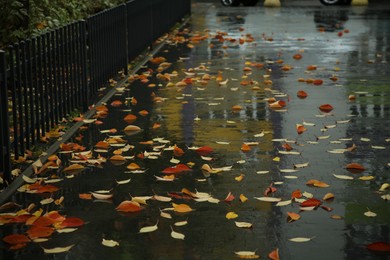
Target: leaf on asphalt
pixel 343 177
pixel 370 214
pixel 14 239
pixel 149 229
pixel 247 254
pixel 283 203
pixel 181 208
pixel 109 243
pixel 292 216
pixel 57 250
pixel 177 235
pixel 301 239
pixel 317 183
pixel 231 215
pixel 243 198
pixel 274 255
pixel 243 224
pixel 268 199
pixel 129 206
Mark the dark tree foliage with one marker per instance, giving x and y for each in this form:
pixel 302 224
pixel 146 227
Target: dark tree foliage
pixel 20 19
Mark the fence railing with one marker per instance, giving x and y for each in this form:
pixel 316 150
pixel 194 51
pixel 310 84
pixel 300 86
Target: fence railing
pixel 44 78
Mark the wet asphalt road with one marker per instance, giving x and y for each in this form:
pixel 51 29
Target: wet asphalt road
pixel 333 54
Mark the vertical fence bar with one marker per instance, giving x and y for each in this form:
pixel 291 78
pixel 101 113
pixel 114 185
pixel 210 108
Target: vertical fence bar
pixel 40 87
pixel 60 53
pixel 30 80
pixel 19 97
pixel 65 56
pixel 5 165
pixel 37 79
pixel 71 67
pixel 84 66
pixel 45 93
pixel 25 93
pixel 50 99
pixel 55 77
pixel 14 101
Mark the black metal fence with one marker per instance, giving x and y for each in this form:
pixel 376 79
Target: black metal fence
pixel 44 78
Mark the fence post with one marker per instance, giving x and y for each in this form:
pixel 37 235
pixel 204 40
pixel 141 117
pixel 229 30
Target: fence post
pixel 5 158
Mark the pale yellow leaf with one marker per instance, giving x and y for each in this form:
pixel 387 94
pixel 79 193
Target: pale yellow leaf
pixel 149 229
pixel 109 243
pixel 56 250
pixel 177 235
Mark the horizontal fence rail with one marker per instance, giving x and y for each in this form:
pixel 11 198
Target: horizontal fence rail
pixel 44 79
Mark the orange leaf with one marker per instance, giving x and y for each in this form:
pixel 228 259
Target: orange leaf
pixel 181 208
pixel 296 194
pixel 130 118
pixel 85 196
pixel 297 56
pixel 47 188
pixel 300 129
pixel 236 108
pixel 133 166
pixel 245 148
pixel 302 94
pixel 293 216
pixel 43 221
pixel 287 147
pixel 129 206
pixel 102 145
pixel 177 151
pixel 317 183
pixel 328 196
pixel 326 108
pixel 116 103
pixel 14 239
pixel 318 82
pixel 39 231
pixel 74 167
pixel 311 67
pixel 355 167
pixel 143 113
pixel 117 157
pixel 274 255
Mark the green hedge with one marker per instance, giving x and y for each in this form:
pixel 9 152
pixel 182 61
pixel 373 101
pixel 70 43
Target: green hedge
pixel 21 19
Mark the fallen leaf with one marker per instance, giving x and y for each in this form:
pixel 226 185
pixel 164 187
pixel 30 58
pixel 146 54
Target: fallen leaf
pixel 243 198
pixel 181 208
pixel 109 243
pixel 243 224
pixel 274 255
pixel 326 108
pixel 379 247
pixel 231 215
pixel 149 229
pixel 230 197
pixel 300 239
pixel 57 250
pixel 312 202
pixel 328 196
pixel 268 199
pixel 293 216
pixel 14 239
pixel 177 235
pixel 370 214
pixel 355 167
pixel 129 206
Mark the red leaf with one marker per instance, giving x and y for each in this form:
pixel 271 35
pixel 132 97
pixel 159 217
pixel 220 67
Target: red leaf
pixel 204 150
pixel 72 222
pixel 329 209
pixel 14 239
pixel 20 219
pixel 379 247
pixel 43 221
pixel 311 203
pixel 326 108
pixel 301 94
pixel 180 168
pixel 47 188
pixel 230 197
pixel 355 167
pixel 318 82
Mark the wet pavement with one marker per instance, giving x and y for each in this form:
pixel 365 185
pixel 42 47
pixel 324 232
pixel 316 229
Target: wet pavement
pixel 337 55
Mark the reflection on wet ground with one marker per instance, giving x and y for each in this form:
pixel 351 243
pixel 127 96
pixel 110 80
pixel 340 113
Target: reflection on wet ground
pixel 338 56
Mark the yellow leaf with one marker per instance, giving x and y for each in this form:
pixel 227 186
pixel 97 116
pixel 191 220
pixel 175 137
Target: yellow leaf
pixel 231 215
pixel 243 198
pixel 181 208
pixel 276 159
pixel 239 178
pixel 366 178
